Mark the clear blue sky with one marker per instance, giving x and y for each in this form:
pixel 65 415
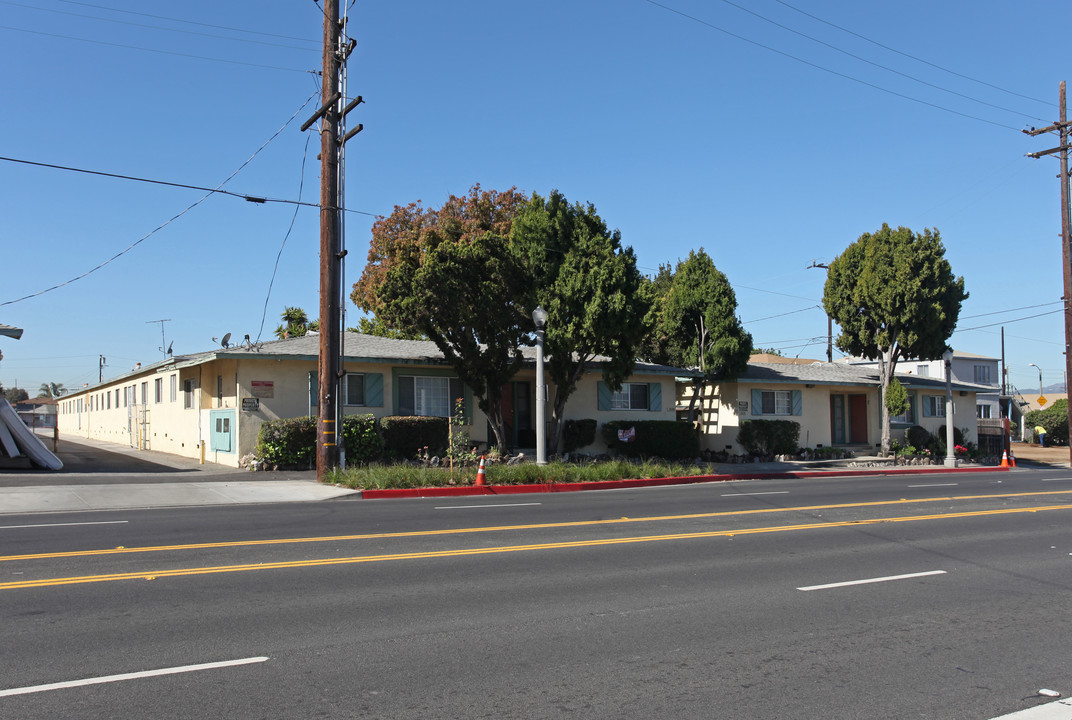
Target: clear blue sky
pixel 689 124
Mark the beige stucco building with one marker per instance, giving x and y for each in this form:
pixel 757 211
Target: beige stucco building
pixel 213 404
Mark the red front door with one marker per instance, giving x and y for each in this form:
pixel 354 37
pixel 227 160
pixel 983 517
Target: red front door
pixel 858 419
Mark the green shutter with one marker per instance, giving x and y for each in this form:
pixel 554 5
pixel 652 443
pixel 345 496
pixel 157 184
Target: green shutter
pixel 798 403
pixel 374 389
pixel 757 402
pixel 655 397
pixel 605 396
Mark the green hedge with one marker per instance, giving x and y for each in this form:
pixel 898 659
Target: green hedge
pixel 578 434
pixel 668 439
pixel 769 437
pixel 291 442
pixel 361 439
pixel 403 436
pixel 1054 419
pixel 288 442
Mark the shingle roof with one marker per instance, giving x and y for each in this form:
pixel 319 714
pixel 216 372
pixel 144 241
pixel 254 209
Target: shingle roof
pixel 822 373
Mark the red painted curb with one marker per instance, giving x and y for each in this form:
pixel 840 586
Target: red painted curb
pixel 468 490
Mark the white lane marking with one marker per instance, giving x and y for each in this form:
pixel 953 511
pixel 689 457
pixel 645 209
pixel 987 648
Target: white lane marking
pixel 1052 479
pixel 935 485
pixel 872 580
pixel 103 522
pixel 131 676
pixel 773 492
pixel 468 507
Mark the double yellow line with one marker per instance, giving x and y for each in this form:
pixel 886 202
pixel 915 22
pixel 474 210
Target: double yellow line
pixel 322 562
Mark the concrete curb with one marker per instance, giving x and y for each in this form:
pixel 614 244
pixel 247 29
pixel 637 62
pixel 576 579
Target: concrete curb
pixel 468 490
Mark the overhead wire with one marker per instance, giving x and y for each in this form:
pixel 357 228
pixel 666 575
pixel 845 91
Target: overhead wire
pixel 245 196
pixel 913 57
pixel 835 48
pixel 167 222
pixel 152 27
pixel 155 50
pixel 825 69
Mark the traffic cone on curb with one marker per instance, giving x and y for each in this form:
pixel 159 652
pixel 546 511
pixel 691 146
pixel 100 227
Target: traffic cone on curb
pixel 1012 458
pixel 480 476
pixel 1004 460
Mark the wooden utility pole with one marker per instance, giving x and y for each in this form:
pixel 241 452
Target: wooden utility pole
pixel 328 433
pixel 1061 128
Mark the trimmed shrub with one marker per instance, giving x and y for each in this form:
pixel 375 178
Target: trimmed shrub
pixel 288 442
pixel 668 439
pixel 918 436
pixel 361 439
pixel 1054 419
pixel 578 434
pixel 769 437
pixel 403 436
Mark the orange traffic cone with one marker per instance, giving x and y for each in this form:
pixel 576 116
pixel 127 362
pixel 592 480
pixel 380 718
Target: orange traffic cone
pixel 1004 460
pixel 1012 458
pixel 480 476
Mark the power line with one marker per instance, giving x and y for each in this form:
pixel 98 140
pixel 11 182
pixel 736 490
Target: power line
pixel 152 27
pixel 155 50
pixel 828 70
pixel 911 57
pixel 190 22
pixel 249 198
pixel 169 221
pixel 878 65
pixel 791 312
pixel 1009 322
pixel 999 312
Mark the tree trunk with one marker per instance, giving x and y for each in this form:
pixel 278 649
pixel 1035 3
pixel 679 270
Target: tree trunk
pixel 495 419
pixel 887 363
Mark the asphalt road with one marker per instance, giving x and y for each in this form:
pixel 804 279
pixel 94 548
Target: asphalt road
pixel 700 601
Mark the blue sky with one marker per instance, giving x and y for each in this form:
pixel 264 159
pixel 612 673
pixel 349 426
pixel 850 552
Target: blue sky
pixel 687 123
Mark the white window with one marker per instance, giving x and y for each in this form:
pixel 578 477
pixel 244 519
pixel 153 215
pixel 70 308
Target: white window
pixel 923 370
pixel 983 411
pixel 776 402
pixel 933 406
pixel 145 393
pixel 982 375
pixel 632 396
pixel 355 389
pixel 158 390
pixel 187 394
pixel 173 388
pixel 428 396
pixel 909 415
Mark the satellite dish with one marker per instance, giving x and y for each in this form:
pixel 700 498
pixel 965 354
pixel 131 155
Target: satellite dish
pixel 170 345
pixel 226 341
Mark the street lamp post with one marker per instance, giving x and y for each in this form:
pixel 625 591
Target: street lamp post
pixel 1040 376
pixel 950 455
pixel 539 317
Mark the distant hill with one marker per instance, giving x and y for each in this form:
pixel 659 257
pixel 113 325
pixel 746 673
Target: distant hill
pixel 1055 388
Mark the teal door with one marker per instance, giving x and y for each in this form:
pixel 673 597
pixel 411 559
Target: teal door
pixel 223 430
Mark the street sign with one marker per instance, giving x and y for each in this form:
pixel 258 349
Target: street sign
pixel 1042 400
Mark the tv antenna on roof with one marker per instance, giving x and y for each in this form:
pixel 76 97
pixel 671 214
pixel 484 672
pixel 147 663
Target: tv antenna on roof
pixel 163 342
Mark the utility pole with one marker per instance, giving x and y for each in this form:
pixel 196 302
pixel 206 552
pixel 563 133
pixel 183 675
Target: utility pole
pixel 1061 128
pixel 829 320
pixel 331 114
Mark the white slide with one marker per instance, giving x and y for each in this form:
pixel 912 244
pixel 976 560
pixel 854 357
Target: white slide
pixel 26 439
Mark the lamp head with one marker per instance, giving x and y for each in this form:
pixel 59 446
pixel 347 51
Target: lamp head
pixel 539 316
pixel 948 355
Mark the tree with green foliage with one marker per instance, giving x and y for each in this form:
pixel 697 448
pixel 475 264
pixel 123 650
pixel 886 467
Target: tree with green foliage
pixel 1054 419
pixel 453 276
pixel 590 287
pixel 895 296
pixel 16 394
pixel 376 326
pixel 896 398
pixel 701 327
pixel 51 390
pixel 295 324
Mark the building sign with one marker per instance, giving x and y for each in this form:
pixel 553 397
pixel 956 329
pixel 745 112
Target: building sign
pixel 263 389
pixel 251 404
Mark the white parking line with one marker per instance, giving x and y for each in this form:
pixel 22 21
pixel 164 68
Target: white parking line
pixel 469 507
pixel 773 492
pixel 935 485
pixel 872 580
pixel 103 522
pixel 130 676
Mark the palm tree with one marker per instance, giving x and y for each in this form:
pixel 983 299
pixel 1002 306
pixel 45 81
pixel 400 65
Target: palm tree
pixel 295 323
pixel 51 390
